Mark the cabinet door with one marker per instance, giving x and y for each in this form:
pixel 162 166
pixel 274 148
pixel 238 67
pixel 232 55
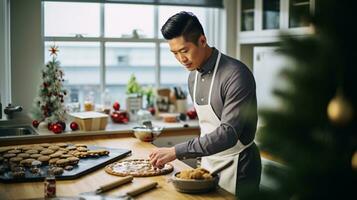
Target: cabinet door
pixel 299 10
pixel 247 15
pixel 271 14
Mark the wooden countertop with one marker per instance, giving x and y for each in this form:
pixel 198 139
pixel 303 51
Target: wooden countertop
pixel 92 181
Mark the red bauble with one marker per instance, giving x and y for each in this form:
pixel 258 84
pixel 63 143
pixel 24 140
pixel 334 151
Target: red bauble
pixel 57 128
pixel 74 126
pixel 152 110
pixel 35 123
pixel 63 124
pixel 50 126
pixel 120 117
pixel 192 114
pixel 116 105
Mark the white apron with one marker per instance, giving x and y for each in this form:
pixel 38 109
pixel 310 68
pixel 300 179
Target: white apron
pixel 208 122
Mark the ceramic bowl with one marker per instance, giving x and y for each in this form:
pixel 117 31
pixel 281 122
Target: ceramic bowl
pixel 146 134
pixel 194 185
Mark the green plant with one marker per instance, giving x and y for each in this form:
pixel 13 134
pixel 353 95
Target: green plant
pixel 133 86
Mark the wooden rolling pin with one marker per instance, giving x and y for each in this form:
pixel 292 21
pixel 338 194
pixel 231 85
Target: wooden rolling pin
pixel 114 184
pixel 141 189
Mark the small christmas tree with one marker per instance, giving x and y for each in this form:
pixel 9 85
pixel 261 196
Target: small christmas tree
pixel 48 105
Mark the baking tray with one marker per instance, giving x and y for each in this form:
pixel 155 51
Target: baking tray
pixel 85 166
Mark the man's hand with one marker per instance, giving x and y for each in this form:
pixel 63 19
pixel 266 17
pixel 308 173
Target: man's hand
pixel 160 156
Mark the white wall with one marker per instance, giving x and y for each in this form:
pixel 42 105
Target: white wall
pixel 27 55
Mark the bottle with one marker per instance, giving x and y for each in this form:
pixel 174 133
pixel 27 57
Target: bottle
pixel 89 102
pixel 50 185
pixel 106 102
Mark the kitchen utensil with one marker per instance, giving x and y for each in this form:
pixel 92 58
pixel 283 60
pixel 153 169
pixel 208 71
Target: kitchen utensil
pixel 199 185
pixel 110 186
pixel 126 196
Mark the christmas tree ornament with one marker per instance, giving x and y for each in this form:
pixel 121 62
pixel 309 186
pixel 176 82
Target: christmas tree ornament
pixel 57 128
pixel 35 123
pixel 340 110
pixel 74 126
pixel 63 124
pixel 116 106
pixel 354 161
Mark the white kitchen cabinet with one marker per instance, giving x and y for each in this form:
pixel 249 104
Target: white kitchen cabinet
pixel 169 141
pixel 262 21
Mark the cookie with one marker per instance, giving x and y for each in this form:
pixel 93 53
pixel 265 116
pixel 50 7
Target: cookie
pixel 44 159
pixel 14 151
pixel 47 152
pixel 53 161
pixel 55 170
pixel 71 148
pixel 38 148
pixel 26 148
pixel 54 147
pixel 15 159
pixel 23 155
pixel 56 155
pixel 46 145
pixel 68 167
pixel 9 155
pixel 62 162
pixel 73 160
pixel 80 145
pixel 62 145
pixel 18 174
pixel 35 156
pixel 66 156
pixel 31 151
pixel 82 149
pixel 27 162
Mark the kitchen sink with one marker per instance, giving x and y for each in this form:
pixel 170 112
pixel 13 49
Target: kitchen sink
pixel 16 130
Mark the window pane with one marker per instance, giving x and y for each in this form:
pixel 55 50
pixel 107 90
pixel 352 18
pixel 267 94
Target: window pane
pixel 172 72
pixel 123 60
pixel 80 64
pixel 71 19
pixel 165 12
pixel 122 19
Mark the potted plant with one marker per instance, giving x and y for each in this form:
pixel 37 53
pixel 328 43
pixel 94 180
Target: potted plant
pixel 134 94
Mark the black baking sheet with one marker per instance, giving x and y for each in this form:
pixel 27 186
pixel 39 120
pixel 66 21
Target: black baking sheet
pixel 85 166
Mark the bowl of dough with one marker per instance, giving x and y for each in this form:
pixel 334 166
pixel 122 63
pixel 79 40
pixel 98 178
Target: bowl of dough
pixel 197 180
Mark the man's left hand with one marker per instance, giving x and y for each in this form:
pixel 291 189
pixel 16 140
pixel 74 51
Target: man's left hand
pixel 160 156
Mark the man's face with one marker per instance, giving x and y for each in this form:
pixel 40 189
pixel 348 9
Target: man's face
pixel 187 53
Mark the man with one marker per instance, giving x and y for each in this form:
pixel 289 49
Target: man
pixel 223 93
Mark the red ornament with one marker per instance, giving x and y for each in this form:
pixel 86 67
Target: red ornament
pixel 74 126
pixel 35 123
pixel 120 117
pixel 63 124
pixel 116 106
pixel 152 110
pixel 57 128
pixel 50 126
pixel 192 114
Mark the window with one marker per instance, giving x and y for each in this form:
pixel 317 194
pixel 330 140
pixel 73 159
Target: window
pixel 99 47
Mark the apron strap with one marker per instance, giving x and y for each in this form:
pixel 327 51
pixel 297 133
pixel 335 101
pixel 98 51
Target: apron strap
pixel 213 76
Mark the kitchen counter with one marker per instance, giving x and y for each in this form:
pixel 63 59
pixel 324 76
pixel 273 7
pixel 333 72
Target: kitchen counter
pixel 91 181
pixel 120 130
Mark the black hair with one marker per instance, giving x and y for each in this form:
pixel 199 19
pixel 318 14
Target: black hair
pixel 184 24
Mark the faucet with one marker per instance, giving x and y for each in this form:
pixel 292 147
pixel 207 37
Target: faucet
pixel 10 110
